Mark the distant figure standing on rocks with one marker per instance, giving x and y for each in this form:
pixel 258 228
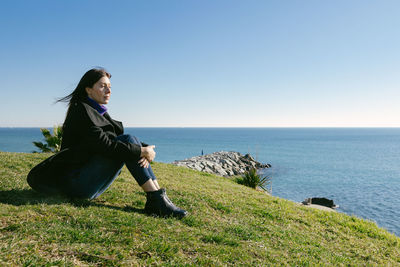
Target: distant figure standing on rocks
pixel 202 153
pixel 94 150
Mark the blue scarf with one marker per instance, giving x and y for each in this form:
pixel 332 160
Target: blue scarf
pixel 100 108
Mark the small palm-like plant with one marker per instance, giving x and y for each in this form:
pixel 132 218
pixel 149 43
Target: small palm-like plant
pixel 254 180
pixel 53 141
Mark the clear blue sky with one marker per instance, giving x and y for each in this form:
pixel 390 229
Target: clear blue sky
pixel 206 63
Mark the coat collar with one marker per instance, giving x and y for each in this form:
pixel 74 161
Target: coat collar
pixel 102 120
pixel 99 120
pixel 94 115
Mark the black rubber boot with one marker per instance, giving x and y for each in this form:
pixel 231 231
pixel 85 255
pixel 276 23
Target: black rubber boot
pixel 159 204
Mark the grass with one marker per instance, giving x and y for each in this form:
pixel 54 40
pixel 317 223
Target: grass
pixel 229 224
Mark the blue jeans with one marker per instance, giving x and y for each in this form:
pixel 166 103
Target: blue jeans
pixel 91 180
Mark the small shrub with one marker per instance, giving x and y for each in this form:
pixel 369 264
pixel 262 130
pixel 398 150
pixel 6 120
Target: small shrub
pixel 53 141
pixel 254 180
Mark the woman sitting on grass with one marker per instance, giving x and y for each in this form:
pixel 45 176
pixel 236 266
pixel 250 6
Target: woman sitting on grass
pixel 94 150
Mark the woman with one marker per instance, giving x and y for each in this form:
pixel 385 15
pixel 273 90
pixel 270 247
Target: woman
pixel 94 150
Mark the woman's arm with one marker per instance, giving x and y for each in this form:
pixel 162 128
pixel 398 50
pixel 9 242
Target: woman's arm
pixel 99 141
pixel 90 133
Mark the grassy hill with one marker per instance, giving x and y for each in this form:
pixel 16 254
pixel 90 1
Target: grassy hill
pixel 228 224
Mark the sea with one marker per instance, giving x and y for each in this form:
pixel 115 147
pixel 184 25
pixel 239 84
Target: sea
pixel 358 168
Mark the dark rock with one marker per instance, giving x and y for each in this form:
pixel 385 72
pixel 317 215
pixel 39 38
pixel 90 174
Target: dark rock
pixel 247 156
pixel 320 201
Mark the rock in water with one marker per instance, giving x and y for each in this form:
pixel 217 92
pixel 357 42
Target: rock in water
pixel 222 163
pixel 320 201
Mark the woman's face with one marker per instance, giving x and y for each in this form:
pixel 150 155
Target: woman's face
pixel 101 91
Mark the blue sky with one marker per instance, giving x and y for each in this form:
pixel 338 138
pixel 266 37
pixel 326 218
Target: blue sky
pixel 206 63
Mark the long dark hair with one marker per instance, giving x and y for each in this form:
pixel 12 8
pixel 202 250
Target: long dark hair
pixel 87 80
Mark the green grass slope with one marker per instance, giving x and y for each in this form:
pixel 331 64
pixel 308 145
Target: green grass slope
pixel 228 224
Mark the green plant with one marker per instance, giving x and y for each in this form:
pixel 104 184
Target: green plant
pixel 53 141
pixel 252 179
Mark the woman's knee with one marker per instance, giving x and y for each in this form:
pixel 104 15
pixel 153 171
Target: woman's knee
pixel 128 138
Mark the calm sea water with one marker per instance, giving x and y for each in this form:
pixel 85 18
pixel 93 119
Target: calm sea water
pixel 359 168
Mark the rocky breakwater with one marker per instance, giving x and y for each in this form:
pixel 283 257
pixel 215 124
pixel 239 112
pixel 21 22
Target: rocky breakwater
pixel 222 163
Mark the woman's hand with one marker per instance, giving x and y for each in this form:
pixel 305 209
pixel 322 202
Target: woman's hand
pixel 144 163
pixel 148 153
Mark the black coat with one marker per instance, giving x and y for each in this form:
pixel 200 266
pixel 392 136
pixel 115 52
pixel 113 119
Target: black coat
pixel 85 133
